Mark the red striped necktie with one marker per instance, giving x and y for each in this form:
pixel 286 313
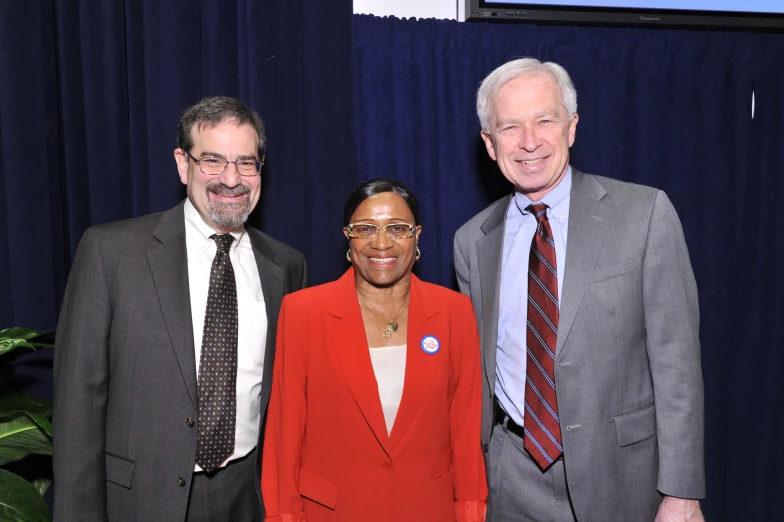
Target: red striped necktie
pixel 542 429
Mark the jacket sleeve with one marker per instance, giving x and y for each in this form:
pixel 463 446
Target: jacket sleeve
pixel 672 338
pixel 468 467
pixel 461 267
pixel 285 423
pixel 81 381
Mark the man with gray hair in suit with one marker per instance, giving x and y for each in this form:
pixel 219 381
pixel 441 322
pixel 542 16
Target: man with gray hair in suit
pixel 589 323
pixel 166 338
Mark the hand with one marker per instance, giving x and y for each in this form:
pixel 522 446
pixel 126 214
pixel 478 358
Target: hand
pixel 674 509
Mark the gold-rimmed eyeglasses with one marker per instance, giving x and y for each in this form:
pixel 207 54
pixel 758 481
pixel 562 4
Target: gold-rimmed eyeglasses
pixel 216 165
pixel 392 230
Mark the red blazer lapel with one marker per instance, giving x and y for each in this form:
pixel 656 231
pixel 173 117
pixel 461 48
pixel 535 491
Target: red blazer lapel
pixel 347 335
pixel 420 365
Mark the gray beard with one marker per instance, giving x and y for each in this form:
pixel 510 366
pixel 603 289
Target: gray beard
pixel 229 215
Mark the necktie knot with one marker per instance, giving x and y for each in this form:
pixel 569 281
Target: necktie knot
pixel 223 242
pixel 539 211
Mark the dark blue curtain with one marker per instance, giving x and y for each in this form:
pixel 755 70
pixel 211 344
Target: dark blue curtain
pixel 667 108
pixel 90 95
pixel 755 410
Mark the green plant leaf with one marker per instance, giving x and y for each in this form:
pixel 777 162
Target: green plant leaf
pixel 7 345
pixel 27 334
pixel 41 485
pixel 21 436
pixel 40 410
pixel 20 500
pixel 12 338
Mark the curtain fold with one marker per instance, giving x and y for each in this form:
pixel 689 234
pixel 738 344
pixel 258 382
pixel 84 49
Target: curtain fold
pixel 755 408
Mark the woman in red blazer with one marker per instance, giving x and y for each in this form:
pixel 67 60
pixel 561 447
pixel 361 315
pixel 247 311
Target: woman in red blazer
pixel 376 398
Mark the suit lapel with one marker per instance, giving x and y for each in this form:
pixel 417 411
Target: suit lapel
pixel 420 366
pixel 169 266
pixel 588 220
pixel 490 255
pixel 347 338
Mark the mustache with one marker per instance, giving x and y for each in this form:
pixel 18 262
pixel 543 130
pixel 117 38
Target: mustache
pixel 216 187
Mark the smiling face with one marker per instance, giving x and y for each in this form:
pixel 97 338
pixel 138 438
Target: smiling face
pixel 530 134
pixel 223 201
pixel 383 262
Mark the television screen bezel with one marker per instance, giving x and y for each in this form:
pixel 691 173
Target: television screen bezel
pixel 482 11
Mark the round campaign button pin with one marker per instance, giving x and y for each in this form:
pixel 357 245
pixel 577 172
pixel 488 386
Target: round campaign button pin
pixel 430 344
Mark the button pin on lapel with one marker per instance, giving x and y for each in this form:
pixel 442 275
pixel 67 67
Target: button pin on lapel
pixel 430 344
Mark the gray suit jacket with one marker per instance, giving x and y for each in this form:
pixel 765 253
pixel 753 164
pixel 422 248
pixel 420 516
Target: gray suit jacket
pixel 125 368
pixel 627 369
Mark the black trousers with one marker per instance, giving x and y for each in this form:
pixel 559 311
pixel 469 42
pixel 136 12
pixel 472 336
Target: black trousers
pixel 228 494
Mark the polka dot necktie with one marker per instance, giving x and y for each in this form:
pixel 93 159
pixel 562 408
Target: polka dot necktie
pixel 218 363
pixel 542 426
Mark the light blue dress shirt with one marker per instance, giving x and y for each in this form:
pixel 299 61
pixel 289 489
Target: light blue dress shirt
pixel 519 228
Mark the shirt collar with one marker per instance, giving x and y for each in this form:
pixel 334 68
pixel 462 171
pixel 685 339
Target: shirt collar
pixel 557 199
pixel 201 231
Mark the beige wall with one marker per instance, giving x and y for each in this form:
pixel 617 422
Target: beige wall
pixel 449 9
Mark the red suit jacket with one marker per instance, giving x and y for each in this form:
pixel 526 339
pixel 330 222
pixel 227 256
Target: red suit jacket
pixel 327 455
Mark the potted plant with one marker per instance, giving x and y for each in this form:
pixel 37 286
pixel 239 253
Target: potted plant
pixel 25 430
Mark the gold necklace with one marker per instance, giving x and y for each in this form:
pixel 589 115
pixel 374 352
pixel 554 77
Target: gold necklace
pixel 391 325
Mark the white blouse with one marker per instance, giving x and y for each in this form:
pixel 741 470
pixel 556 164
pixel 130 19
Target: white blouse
pixel 389 365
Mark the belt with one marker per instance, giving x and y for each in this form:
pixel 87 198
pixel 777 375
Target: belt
pixel 499 416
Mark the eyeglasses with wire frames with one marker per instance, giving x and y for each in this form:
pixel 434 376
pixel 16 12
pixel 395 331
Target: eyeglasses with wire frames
pixel 392 230
pixel 216 165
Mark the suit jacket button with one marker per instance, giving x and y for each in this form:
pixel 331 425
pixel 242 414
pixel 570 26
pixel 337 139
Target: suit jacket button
pixel 181 482
pixel 386 466
pixel 190 422
pixel 484 447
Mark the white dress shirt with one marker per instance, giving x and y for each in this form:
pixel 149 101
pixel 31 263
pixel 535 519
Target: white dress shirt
pixel 252 320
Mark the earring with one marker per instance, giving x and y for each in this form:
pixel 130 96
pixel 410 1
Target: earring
pixel 348 255
pixel 418 255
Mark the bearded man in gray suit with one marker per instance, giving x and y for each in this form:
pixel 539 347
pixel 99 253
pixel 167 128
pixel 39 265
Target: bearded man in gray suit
pixel 592 386
pixel 139 433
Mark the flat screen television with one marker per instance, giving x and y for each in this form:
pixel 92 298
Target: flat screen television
pixel 763 15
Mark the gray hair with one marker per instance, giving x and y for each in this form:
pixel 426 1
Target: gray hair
pixel 213 111
pixel 523 67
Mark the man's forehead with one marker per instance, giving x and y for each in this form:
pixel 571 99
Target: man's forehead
pixel 211 135
pixel 528 89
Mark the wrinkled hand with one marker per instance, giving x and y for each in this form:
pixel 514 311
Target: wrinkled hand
pixel 674 509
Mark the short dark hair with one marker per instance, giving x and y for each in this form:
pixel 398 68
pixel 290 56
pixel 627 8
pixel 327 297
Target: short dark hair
pixel 213 111
pixel 379 186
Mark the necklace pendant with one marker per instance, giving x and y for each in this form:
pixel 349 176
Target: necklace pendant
pixel 387 332
pixel 392 325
